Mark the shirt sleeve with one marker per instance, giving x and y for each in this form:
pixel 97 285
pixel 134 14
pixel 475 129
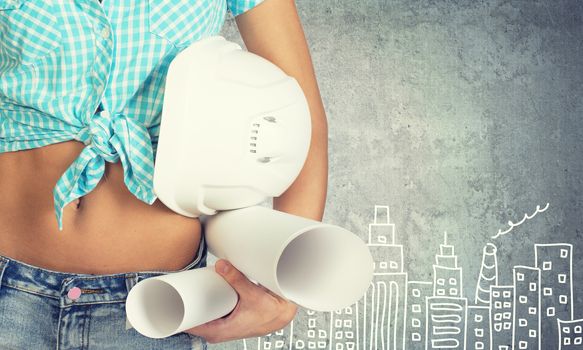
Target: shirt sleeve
pixel 237 7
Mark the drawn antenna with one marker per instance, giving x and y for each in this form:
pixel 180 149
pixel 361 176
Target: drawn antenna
pixel 488 275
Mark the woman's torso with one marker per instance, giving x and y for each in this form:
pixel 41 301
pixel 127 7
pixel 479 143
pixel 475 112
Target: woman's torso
pixel 112 231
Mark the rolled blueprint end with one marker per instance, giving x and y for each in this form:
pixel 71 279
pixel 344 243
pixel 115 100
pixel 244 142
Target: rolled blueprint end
pixel 325 268
pixel 318 266
pixel 161 306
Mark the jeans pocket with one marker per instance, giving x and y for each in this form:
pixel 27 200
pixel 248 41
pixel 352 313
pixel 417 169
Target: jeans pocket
pixel 182 22
pixel 30 30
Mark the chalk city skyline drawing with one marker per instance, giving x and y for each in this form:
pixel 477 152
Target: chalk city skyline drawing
pixel 536 311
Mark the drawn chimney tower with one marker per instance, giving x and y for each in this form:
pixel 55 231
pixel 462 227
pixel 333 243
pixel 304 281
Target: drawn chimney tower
pixel 488 275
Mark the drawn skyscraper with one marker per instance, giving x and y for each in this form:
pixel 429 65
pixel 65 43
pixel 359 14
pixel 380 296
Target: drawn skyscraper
pixel 344 322
pixel 384 303
pixel 446 309
pixel 416 320
pixel 478 336
pixel 278 340
pixel 311 329
pixel 447 275
pixel 556 281
pixel 527 299
pixel 501 306
pixel 488 275
pixel 570 334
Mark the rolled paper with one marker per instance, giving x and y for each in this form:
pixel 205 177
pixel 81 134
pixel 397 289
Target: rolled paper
pixel 318 266
pixel 161 306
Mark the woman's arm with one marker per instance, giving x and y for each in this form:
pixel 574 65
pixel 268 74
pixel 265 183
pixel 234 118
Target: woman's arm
pixel 273 30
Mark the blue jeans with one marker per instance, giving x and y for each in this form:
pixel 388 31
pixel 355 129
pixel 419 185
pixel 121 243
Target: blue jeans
pixel 36 311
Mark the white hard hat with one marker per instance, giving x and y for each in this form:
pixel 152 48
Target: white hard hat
pixel 235 130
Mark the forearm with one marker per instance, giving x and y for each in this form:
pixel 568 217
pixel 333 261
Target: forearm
pixel 280 39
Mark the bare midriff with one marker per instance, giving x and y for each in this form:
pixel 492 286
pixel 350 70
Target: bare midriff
pixel 107 231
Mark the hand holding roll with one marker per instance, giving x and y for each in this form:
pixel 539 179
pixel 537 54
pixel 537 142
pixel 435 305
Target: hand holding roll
pixel 258 311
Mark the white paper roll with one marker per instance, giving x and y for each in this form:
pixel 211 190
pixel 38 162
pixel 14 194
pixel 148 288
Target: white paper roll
pixel 318 266
pixel 161 306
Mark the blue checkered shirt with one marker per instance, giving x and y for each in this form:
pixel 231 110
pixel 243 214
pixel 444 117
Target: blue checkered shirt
pixel 95 73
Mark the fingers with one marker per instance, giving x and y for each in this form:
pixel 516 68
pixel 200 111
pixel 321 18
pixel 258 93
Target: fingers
pixel 234 277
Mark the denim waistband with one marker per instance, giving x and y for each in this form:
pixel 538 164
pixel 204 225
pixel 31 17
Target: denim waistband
pixel 94 288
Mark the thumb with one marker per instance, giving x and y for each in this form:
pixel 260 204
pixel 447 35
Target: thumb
pixel 234 277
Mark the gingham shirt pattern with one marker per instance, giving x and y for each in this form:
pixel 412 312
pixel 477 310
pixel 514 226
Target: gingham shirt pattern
pixel 95 73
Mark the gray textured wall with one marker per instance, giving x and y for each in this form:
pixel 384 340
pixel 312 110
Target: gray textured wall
pixel 460 116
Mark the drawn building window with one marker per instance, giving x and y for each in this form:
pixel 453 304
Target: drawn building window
pixel 279 344
pixel 381 239
pixel 507 325
pixel 478 318
pixel 312 322
pixel 441 281
pixel 519 276
pixel 452 281
pixel 564 253
pixel 532 286
pixel 299 344
pixel 415 322
pixel 350 345
pixel 383 264
pixel 498 317
pixel 393 265
pixel 503 347
pixel 532 333
pixel 415 337
pixel 338 335
pixel 578 340
pixel 498 327
pixel 566 330
pixel 562 278
pixel 280 332
pixel 522 344
pixel 311 333
pixel 532 310
pixel 507 305
pixel 311 312
pixel 567 341
pixel 479 345
pixel 338 323
pixel 453 291
pixel 506 315
pixel 322 333
pixel 547 265
pixel 496 294
pixel 348 310
pixel 416 308
pixel 349 334
pixel 506 294
pixel 562 299
pixel 523 299
pixel 548 291
pixel 498 305
pixel 578 329
pixel 321 345
pixel 551 311
pixel 266 345
pixel 479 332
pixel 522 322
pixel 339 346
pixel 440 292
pixel 348 323
pixel 416 293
